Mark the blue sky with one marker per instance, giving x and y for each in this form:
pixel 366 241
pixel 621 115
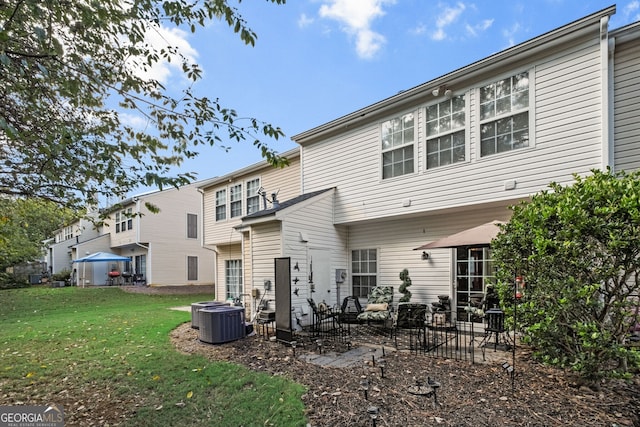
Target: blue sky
pixel 317 60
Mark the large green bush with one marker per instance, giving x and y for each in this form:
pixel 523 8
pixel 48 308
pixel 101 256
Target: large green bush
pixel 578 249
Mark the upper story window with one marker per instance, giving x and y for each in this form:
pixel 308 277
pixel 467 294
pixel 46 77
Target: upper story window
pixel 235 200
pixel 124 220
pixel 253 198
pixel 504 115
pixel 192 226
pixel 398 136
pixel 221 205
pixel 67 233
pixel 446 132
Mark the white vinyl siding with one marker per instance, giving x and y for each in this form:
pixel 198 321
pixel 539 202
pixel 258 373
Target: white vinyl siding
pixel 566 136
pixel 626 116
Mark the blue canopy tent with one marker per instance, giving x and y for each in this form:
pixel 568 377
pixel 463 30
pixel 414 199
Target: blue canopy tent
pixel 99 257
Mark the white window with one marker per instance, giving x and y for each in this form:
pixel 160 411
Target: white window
pixel 398 136
pixel 504 115
pixel 233 278
pixel 364 271
pixel 446 132
pixel 235 200
pixel 192 226
pixel 253 198
pixel 221 205
pixel 124 220
pixel 192 268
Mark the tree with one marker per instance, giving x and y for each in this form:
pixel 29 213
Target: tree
pixel 578 250
pixel 65 66
pixel 24 224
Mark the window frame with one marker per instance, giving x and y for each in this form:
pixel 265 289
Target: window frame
pixel 192 268
pixel 252 199
pixel 357 273
pixel 465 129
pixel 124 220
pixel 394 148
pixel 530 110
pixel 235 200
pixel 237 268
pixel 192 226
pixel 221 208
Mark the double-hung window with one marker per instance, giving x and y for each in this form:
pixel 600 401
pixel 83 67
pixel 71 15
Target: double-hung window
pixel 221 205
pixel 398 137
pixel 233 278
pixel 364 271
pixel 446 132
pixel 504 115
pixel 235 200
pixel 253 197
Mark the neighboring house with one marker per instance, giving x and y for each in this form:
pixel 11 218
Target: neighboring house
pixel 59 249
pixel 165 248
pixel 229 198
pixel 447 155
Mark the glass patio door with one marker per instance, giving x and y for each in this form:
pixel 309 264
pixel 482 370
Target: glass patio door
pixel 474 270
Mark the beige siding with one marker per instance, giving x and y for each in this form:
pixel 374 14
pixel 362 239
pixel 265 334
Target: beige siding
pixel 283 181
pixel 626 111
pixel 313 223
pixel 566 137
pixel 396 240
pixel 266 244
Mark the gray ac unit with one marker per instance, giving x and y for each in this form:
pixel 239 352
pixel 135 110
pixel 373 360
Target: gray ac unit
pixel 221 324
pixel 195 309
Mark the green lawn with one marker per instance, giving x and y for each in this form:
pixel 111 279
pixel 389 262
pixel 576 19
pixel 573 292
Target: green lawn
pixel 61 344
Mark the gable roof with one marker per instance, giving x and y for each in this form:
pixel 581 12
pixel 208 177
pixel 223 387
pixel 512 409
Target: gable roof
pixel 284 205
pixel 460 77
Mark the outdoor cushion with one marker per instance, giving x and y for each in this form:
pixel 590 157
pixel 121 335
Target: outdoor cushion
pixel 382 306
pixel 378 295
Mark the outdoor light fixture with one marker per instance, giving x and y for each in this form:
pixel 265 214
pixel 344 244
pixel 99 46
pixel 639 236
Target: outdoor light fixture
pixel 294 344
pixel 364 385
pixel 425 255
pixel 448 93
pixel 382 364
pixel 373 356
pixel 508 368
pixel 319 344
pixel 373 413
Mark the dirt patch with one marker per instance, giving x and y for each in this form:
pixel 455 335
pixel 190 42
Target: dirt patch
pixel 481 394
pixel 170 290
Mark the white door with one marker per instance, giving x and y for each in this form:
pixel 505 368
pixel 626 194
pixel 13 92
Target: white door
pixel 320 276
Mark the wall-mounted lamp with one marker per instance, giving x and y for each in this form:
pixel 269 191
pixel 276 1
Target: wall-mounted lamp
pixel 448 93
pixel 441 90
pixel 425 255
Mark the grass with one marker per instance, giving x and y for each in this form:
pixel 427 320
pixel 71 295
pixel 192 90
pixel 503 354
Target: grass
pixel 57 342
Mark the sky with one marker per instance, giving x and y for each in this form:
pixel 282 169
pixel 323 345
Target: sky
pixel 317 60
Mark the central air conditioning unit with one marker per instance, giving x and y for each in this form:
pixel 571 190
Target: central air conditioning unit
pixel 197 306
pixel 221 324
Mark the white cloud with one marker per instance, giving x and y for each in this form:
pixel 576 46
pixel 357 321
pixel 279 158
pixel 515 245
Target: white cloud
pixel 304 21
pixel 632 10
pixel 447 17
pixel 419 29
pixel 482 26
pixel 133 120
pixel 356 17
pixel 158 38
pixel 509 33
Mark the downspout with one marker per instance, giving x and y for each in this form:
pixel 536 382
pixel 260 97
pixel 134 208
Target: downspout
pixel 148 278
pixel 202 242
pixel 605 99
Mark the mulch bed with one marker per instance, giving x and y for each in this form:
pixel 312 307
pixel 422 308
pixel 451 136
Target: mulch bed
pixel 479 394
